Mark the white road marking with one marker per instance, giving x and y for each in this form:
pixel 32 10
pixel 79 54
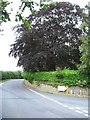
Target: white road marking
pixel 77 108
pixel 85 111
pixel 78 111
pixel 46 97
pixel 86 115
pixel 65 105
pixel 71 108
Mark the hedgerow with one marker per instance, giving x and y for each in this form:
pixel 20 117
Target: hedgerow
pixel 59 77
pixel 10 75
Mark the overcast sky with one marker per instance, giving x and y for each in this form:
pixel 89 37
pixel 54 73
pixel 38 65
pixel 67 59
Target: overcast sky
pixel 8 63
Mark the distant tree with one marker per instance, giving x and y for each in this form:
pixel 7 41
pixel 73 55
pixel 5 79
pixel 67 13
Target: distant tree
pixel 84 67
pixel 53 39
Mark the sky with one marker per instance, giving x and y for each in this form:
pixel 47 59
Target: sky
pixel 9 63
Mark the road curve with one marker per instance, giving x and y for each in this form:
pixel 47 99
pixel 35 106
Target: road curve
pixel 19 102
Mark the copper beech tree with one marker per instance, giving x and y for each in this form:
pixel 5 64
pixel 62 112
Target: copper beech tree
pixel 52 40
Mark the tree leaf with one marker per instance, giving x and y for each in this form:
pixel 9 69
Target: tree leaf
pixel 26 22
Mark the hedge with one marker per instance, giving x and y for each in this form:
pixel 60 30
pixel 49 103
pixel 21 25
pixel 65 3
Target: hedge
pixel 10 75
pixel 63 77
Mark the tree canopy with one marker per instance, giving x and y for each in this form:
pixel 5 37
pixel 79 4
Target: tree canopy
pixel 5 15
pixel 53 40
pixel 30 4
pixel 84 67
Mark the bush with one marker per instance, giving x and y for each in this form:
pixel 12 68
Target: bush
pixel 28 76
pixel 18 75
pixel 62 77
pixel 10 75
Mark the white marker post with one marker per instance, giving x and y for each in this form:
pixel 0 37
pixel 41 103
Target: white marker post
pixel 71 92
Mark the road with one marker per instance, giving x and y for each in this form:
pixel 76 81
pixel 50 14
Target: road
pixel 19 102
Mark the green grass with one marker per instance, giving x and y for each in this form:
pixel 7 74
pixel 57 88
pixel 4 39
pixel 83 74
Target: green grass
pixel 59 77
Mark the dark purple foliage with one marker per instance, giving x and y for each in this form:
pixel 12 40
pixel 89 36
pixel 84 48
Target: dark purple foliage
pixel 53 40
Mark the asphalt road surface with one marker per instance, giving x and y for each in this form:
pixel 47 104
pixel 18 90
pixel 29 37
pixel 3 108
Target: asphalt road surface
pixel 16 101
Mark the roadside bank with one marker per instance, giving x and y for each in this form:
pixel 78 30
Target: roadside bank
pixel 72 91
